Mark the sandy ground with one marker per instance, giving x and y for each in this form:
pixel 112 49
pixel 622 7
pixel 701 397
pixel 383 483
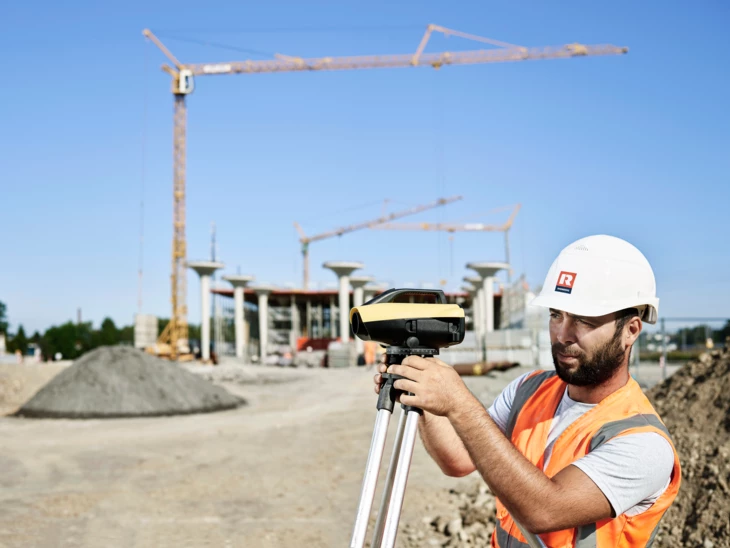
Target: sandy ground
pixel 283 471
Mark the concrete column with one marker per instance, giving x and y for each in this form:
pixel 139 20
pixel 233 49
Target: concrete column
pixel 472 292
pixel 239 283
pixel 204 269
pixel 262 292
pixel 309 318
pixel 358 285
pixel 296 330
pixel 371 290
pixel 487 272
pixel 343 269
pixel 333 318
pixel 478 308
pixel 320 321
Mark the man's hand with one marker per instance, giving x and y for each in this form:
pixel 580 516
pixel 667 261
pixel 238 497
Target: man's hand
pixel 436 386
pixel 378 379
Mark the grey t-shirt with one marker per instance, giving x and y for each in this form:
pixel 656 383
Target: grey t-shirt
pixel 632 471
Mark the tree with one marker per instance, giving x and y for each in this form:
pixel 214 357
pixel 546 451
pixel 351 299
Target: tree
pixel 3 318
pixel 722 334
pixel 126 334
pixel 19 342
pixel 108 334
pixel 692 336
pixel 70 339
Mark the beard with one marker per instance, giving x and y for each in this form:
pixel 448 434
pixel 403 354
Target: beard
pixel 591 370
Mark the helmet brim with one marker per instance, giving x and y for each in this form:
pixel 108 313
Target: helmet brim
pixel 560 301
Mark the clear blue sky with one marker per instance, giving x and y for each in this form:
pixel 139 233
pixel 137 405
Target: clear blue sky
pixel 635 146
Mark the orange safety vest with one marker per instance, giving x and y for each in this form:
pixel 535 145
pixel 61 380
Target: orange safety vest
pixel 626 411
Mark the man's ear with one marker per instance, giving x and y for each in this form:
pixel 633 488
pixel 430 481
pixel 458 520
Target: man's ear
pixel 632 330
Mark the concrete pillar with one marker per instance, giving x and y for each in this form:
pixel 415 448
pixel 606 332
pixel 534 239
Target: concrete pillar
pixel 478 307
pixel 320 321
pixel 262 292
pixel 487 272
pixel 239 283
pixel 372 289
pixel 309 319
pixel 472 292
pixel 342 270
pixel 333 318
pixel 358 286
pixel 296 329
pixel 204 269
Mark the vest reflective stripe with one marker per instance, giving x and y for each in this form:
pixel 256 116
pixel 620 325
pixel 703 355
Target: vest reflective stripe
pixel 524 392
pixel 506 541
pixel 613 429
pixel 653 535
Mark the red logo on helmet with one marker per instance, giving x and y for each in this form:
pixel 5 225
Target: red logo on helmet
pixel 565 282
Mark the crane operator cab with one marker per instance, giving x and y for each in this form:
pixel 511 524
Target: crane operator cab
pixel 185 83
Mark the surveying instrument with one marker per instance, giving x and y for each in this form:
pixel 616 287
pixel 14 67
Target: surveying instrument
pixel 406 328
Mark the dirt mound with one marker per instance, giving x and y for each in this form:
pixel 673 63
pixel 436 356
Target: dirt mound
pixel 117 381
pixel 695 405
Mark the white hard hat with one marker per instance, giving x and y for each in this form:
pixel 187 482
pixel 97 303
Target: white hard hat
pixel 598 275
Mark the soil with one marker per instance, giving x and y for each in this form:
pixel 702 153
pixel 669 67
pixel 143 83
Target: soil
pixel 695 405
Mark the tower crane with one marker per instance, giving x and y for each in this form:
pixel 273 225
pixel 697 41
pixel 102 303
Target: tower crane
pixel 183 75
pixel 306 240
pixel 462 227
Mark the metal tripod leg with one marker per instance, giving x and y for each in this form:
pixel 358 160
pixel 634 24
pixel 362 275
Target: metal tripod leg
pixel 401 478
pixel 370 480
pixel 388 488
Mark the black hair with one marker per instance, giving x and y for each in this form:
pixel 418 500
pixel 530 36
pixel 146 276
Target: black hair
pixel 623 316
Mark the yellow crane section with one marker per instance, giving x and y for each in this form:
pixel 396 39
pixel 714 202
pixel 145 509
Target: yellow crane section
pixel 306 240
pixel 176 333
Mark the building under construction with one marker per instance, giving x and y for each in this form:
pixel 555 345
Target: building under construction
pixel 299 321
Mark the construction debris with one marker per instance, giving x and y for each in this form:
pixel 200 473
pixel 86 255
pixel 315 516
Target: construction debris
pixel 695 405
pixel 470 524
pixel 117 381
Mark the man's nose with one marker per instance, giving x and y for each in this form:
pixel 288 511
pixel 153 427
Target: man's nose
pixel 565 332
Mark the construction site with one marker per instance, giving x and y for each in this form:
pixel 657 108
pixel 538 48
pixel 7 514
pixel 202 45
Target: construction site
pixel 249 424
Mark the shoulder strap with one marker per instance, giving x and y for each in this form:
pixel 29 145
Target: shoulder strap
pixel 526 390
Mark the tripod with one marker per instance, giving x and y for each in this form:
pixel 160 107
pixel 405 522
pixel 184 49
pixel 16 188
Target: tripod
pixel 386 524
pixel 391 504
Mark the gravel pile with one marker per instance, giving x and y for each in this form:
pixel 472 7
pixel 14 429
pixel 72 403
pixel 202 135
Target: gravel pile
pixel 117 381
pixel 695 405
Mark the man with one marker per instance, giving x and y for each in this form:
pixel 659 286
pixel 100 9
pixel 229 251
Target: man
pixel 577 456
